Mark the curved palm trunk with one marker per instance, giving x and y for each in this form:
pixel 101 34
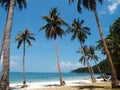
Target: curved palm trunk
pixel 24 75
pixel 88 65
pixel 113 72
pixel 98 67
pixel 4 83
pixel 58 63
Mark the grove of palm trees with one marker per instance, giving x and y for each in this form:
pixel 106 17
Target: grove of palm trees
pixel 53 19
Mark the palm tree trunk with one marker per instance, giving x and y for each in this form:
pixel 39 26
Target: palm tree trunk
pixel 58 63
pixel 113 72
pixel 4 83
pixel 98 67
pixel 1 49
pixel 24 75
pixel 88 65
pixel 1 46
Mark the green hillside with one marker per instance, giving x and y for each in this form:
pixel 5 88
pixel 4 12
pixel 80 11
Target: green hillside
pixel 103 66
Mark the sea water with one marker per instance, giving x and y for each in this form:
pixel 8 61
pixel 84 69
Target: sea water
pixel 17 77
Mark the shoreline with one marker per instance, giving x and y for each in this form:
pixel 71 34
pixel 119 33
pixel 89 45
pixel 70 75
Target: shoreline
pixel 51 84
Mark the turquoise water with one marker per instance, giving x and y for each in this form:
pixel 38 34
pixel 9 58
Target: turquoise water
pixel 17 77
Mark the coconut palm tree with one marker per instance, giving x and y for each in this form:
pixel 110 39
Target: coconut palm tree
pixel 91 5
pixel 93 56
pixel 53 29
pixel 82 60
pixel 9 6
pixel 80 32
pixel 24 37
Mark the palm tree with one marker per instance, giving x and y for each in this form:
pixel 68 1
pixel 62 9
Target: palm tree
pixel 82 59
pixel 9 6
pixel 24 37
pixel 91 5
pixel 94 57
pixel 80 33
pixel 53 29
pixel 113 43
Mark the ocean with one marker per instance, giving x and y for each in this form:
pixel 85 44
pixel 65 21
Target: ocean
pixel 17 77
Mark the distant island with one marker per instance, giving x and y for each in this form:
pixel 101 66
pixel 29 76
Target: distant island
pixel 103 66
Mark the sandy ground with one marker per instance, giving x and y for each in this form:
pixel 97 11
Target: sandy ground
pixel 70 85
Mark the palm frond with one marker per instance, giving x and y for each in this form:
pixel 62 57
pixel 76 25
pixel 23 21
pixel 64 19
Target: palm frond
pixel 29 42
pixel 21 4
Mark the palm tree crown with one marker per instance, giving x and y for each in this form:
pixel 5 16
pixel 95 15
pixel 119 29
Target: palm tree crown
pixel 88 4
pixel 20 3
pixel 54 23
pixel 25 37
pixel 79 31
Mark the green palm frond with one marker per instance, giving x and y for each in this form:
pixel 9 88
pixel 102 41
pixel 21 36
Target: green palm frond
pixel 53 28
pixel 25 36
pixel 29 42
pixel 46 18
pixel 82 60
pixel 20 3
pixel 19 43
pixel 88 4
pixel 78 30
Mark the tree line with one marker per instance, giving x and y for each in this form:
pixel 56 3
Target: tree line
pixel 53 30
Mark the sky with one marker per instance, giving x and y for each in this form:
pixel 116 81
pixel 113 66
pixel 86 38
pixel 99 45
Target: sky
pixel 41 57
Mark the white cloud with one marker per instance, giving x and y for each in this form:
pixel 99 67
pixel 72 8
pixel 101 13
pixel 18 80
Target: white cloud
pixel 102 12
pixel 67 66
pixel 113 6
pixel 70 65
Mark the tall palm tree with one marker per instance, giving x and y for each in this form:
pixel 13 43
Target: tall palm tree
pixel 24 37
pixel 53 29
pixel 80 32
pixel 91 5
pixel 113 43
pixel 82 60
pixel 9 6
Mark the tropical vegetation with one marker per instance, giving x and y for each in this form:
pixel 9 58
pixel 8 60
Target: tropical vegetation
pixel 53 29
pixel 82 60
pixel 23 38
pixel 113 43
pixel 91 5
pixel 81 33
pixel 102 64
pixel 9 6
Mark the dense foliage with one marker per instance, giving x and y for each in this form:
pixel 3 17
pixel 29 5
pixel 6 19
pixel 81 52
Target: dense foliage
pixel 113 43
pixel 103 66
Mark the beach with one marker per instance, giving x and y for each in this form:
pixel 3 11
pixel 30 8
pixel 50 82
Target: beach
pixel 84 84
pixel 50 81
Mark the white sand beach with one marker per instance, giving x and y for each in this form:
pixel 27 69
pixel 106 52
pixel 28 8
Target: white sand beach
pixel 50 85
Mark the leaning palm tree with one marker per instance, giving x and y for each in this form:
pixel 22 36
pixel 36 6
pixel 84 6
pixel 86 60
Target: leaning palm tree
pixel 91 5
pixel 80 32
pixel 82 60
pixel 93 56
pixel 24 37
pixel 53 29
pixel 9 6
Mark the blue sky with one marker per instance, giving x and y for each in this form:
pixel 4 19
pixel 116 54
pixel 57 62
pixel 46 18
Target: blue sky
pixel 41 57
